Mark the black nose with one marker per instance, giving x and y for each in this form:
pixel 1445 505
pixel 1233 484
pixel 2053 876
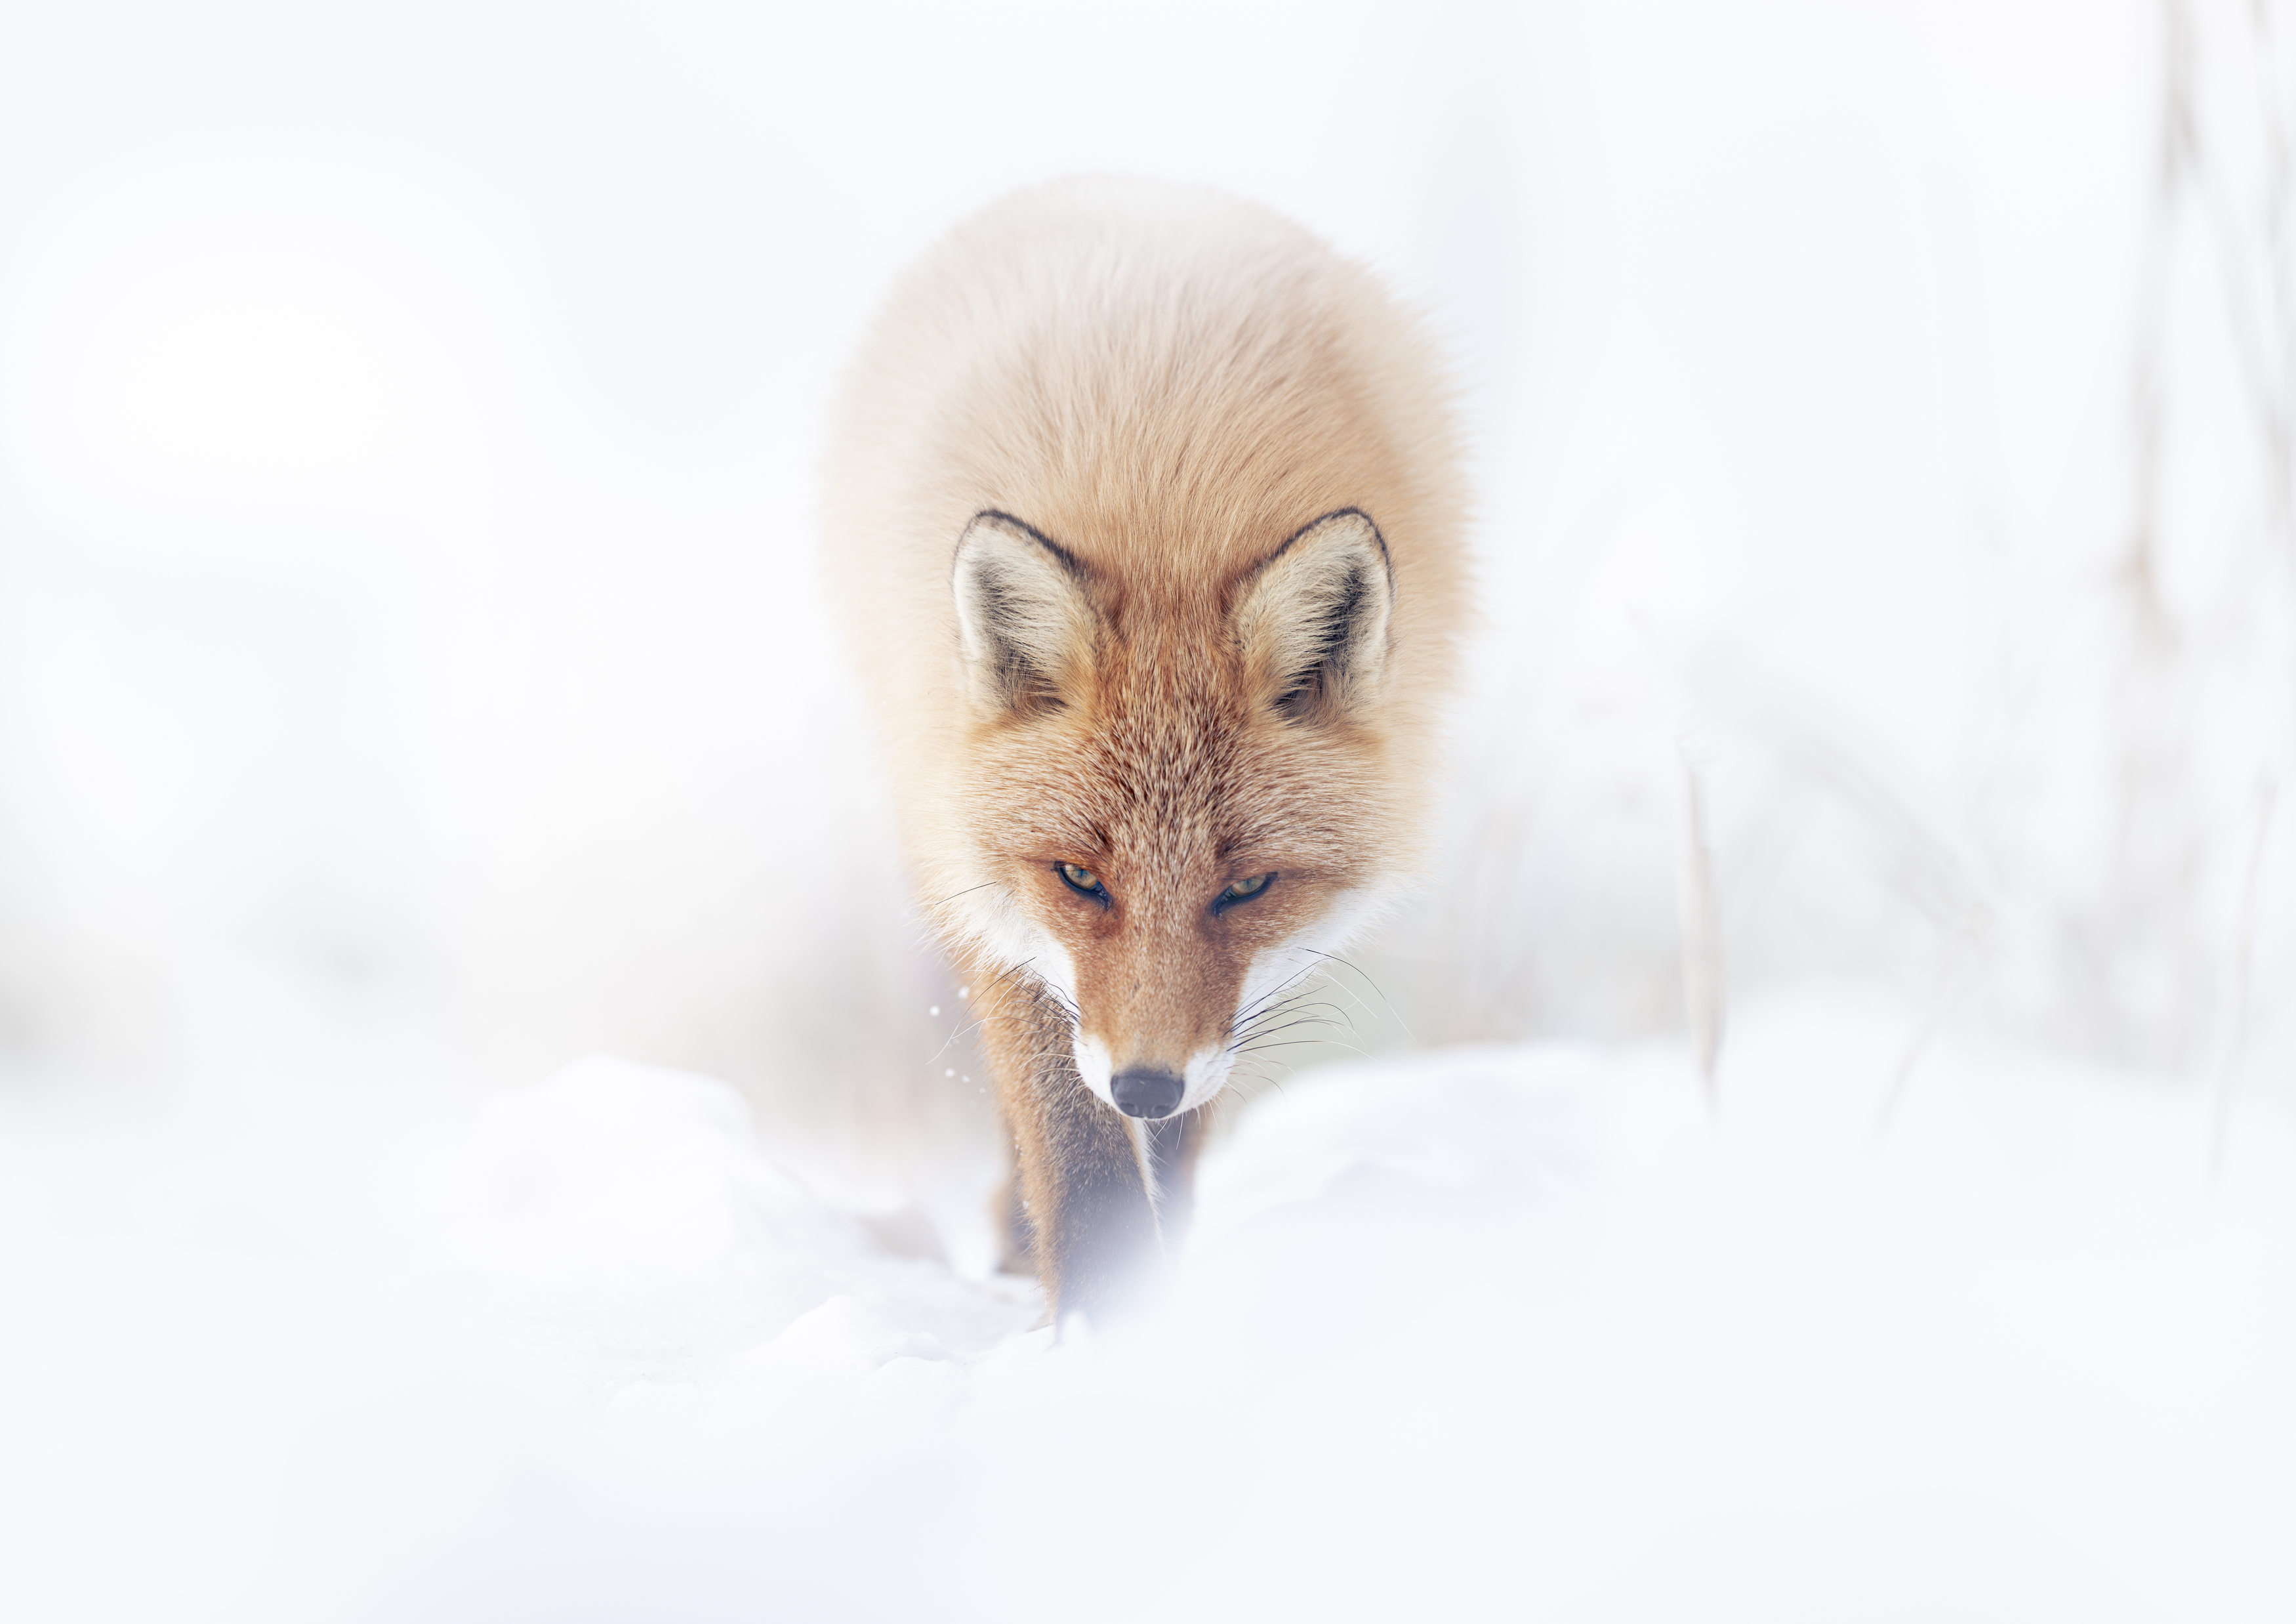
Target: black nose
pixel 1145 1092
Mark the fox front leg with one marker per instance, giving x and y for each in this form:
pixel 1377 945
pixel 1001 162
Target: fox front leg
pixel 1086 1220
pixel 1173 1145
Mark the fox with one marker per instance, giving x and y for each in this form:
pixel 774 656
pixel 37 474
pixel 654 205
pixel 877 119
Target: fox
pixel 1142 511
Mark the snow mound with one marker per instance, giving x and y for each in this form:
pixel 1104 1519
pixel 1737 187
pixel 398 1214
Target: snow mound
pixel 1503 1332
pixel 636 1174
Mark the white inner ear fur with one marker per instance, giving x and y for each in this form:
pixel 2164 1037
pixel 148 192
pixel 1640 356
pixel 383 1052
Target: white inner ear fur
pixel 1322 605
pixel 1023 618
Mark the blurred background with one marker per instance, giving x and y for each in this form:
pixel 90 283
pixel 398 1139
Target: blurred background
pixel 411 664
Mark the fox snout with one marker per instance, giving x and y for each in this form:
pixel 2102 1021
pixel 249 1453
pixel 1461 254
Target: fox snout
pixel 1147 1091
pixel 1136 1072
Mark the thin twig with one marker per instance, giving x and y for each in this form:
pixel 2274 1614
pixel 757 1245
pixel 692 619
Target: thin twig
pixel 1701 934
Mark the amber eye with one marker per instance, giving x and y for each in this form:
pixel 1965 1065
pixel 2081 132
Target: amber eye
pixel 1244 890
pixel 1082 878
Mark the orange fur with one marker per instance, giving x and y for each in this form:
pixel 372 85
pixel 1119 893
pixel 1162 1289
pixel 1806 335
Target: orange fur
pixel 1073 522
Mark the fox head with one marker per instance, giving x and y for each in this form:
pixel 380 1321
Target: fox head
pixel 1176 790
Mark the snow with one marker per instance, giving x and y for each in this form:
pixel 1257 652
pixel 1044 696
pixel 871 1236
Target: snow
pixel 1503 1330
pixel 411 679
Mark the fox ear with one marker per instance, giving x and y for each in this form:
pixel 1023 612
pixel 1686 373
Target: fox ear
pixel 1312 620
pixel 1024 622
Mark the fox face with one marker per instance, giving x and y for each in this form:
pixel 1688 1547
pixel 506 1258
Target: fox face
pixel 1175 790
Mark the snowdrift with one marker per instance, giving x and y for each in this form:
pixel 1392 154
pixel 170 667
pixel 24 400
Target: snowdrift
pixel 1498 1331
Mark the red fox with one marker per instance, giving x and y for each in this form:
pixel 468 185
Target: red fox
pixel 1143 509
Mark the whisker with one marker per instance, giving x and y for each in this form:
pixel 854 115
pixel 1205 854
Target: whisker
pixel 1307 1043
pixel 1374 985
pixel 1256 1021
pixel 967 892
pixel 1279 990
pixel 978 1021
pixel 1289 1026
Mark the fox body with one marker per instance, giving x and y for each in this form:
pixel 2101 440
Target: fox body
pixel 1142 509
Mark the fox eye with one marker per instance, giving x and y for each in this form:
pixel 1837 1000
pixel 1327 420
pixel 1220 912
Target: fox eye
pixel 1244 890
pixel 1082 878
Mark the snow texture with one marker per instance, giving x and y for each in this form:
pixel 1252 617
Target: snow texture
pixel 1501 1330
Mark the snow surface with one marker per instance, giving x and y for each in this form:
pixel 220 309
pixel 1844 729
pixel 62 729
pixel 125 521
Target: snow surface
pixel 1507 1330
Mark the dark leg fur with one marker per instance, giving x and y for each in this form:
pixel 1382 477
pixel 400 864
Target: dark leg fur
pixel 1085 1209
pixel 1011 1219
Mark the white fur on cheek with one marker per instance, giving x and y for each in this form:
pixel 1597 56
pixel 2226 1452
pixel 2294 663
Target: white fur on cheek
pixel 1056 969
pixel 1205 1075
pixel 1000 926
pixel 994 920
pixel 1095 1066
pixel 1291 964
pixel 991 919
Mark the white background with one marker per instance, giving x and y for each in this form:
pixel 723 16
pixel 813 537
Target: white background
pixel 408 477
pixel 412 674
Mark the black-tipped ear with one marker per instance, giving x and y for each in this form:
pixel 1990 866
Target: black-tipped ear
pixel 1024 622
pixel 1312 620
